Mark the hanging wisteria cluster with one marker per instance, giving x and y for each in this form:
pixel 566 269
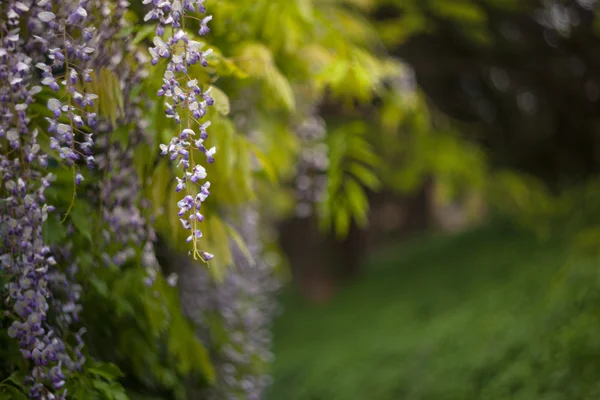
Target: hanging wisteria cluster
pixel 243 305
pixel 31 283
pixel 126 227
pixel 246 305
pixel 65 43
pixel 186 105
pixel 312 164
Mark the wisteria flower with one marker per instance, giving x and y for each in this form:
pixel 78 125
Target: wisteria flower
pixel 186 105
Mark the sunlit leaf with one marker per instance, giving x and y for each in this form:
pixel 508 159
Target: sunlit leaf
pixel 357 201
pixel 143 33
pixel 221 100
pixel 105 370
pixel 342 222
pixel 364 175
pixel 239 242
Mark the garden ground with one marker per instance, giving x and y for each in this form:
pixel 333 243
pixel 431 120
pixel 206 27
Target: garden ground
pixel 488 314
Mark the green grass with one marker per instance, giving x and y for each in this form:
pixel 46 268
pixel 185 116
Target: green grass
pixel 489 314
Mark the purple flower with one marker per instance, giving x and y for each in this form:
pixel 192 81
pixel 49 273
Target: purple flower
pixel 186 96
pixel 204 29
pixel 77 51
pixel 310 183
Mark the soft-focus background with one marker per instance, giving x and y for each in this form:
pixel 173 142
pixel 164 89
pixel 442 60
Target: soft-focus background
pixel 477 275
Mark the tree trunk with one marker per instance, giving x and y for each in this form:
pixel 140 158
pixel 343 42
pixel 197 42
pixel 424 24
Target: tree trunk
pixel 319 262
pixel 309 255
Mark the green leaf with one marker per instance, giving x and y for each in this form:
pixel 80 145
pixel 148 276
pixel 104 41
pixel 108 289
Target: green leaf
pixel 124 33
pixel 357 201
pixel 220 244
pixel 144 32
pixel 189 353
pixel 281 88
pixel 459 10
pixel 80 215
pixel 8 391
pixel 110 97
pixel 235 236
pixel 121 134
pixel 142 160
pixel 106 370
pixel 224 66
pixel 83 391
pixel 342 222
pixel 111 391
pixel 157 315
pixel 221 100
pixel 54 231
pixel 265 163
pixel 12 393
pixel 257 60
pixel 334 74
pixel 362 152
pixel 124 307
pixel 100 286
pixel 366 176
pixel 160 185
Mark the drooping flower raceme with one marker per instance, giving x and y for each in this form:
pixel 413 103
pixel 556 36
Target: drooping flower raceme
pixel 312 163
pixel 186 104
pixel 245 302
pixel 242 305
pixel 29 279
pixel 124 228
pixel 65 43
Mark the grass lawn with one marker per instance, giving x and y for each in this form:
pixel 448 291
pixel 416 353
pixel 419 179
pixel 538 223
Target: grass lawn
pixel 489 314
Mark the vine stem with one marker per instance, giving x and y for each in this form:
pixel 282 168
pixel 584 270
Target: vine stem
pixel 70 119
pixel 195 253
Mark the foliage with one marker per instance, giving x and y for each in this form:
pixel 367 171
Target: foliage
pixel 417 143
pixel 351 163
pixel 273 66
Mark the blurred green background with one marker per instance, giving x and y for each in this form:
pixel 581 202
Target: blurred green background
pixel 477 275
